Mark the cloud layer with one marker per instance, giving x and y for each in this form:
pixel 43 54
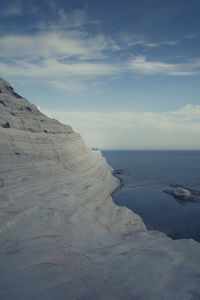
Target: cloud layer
pixel 63 50
pixel 178 129
pixel 144 66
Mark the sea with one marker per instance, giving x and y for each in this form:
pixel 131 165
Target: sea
pixel 145 175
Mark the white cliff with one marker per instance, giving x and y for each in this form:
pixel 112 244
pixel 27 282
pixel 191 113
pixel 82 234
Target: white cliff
pixel 61 235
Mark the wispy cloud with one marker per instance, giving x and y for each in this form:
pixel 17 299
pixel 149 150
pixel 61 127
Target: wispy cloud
pixel 54 69
pixel 13 9
pixel 160 44
pixel 53 44
pixel 192 36
pixel 63 50
pixel 19 8
pixel 64 20
pixel 56 55
pixel 142 65
pixel 187 113
pixel 138 40
pixel 74 19
pixel 163 130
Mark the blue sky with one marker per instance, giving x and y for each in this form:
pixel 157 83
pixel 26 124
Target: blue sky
pixel 125 74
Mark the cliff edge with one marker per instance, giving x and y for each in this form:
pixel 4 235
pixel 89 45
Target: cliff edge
pixel 61 235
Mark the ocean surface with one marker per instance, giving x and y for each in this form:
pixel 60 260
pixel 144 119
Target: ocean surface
pixel 145 174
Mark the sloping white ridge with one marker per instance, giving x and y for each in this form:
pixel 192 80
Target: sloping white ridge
pixel 61 235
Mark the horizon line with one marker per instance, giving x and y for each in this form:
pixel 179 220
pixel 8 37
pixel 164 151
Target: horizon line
pixel 149 149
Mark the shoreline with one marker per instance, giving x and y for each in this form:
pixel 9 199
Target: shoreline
pixel 114 172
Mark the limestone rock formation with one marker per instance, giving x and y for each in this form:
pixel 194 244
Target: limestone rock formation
pixel 61 235
pixel 25 130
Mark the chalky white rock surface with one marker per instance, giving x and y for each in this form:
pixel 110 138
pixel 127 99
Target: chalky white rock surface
pixel 61 235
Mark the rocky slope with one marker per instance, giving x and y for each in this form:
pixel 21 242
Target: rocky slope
pixel 61 235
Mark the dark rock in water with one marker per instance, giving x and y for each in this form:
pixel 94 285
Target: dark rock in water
pixel 183 194
pixel 118 172
pixel 192 191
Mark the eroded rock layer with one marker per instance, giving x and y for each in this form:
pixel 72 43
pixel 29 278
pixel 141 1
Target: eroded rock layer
pixel 61 235
pixel 25 130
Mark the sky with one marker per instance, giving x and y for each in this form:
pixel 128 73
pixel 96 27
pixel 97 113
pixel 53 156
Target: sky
pixel 124 74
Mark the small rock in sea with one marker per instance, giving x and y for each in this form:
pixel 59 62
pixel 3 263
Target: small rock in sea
pixel 118 172
pixel 184 194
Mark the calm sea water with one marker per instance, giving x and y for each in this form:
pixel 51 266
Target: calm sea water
pixel 145 175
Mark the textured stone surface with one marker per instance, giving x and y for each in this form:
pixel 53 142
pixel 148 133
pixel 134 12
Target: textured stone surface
pixel 61 235
pixel 25 130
